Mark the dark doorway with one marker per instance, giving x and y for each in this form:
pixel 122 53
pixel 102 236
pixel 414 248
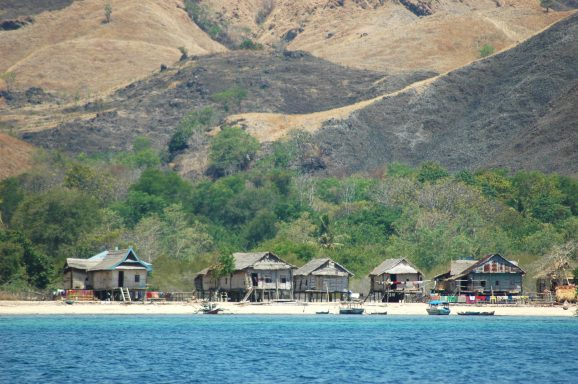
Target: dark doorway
pixel 121 279
pixel 255 279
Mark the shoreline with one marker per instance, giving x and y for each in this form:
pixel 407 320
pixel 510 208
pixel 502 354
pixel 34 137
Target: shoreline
pixel 288 308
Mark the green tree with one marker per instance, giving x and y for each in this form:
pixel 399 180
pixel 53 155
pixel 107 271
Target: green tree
pixel 56 218
pixel 19 261
pixel 11 194
pixel 232 150
pixel 261 227
pixel 226 264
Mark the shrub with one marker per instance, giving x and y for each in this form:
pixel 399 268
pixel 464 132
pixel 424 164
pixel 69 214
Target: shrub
pixel 486 50
pixel 196 121
pixel 229 97
pixel 107 13
pixel 251 45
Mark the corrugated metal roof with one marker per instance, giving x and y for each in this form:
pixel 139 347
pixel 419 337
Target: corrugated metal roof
pixel 317 265
pixel 387 266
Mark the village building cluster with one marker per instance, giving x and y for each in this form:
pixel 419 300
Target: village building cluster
pixel 264 276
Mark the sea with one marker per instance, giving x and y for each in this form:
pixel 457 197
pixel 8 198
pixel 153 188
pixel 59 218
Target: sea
pixel 287 349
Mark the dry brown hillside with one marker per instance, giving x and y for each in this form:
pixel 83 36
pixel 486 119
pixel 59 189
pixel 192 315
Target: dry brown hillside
pixel 385 35
pixel 15 156
pixel 72 51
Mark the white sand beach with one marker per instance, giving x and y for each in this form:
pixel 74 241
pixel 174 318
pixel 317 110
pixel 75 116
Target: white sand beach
pixel 288 308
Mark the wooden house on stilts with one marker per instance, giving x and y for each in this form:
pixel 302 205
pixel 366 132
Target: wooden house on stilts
pixel 258 276
pixel 394 280
pixel 321 280
pixel 117 274
pixel 491 275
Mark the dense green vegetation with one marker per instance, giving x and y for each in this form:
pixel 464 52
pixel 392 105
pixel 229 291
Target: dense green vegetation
pixel 258 200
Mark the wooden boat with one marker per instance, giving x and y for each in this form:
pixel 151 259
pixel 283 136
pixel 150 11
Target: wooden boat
pixel 476 313
pixel 210 309
pixel 352 308
pixel 438 307
pixel 378 313
pixel 322 312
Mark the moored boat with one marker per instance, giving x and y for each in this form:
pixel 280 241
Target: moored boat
pixel 352 308
pixel 476 313
pixel 438 307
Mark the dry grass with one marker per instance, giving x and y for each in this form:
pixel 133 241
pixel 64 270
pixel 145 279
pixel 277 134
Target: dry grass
pixel 72 51
pixel 15 156
pixel 388 37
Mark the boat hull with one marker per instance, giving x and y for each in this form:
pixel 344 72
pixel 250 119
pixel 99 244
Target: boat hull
pixel 438 311
pixel 470 313
pixel 351 311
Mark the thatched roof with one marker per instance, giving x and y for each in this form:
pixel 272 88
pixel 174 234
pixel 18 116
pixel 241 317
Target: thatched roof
pixel 394 266
pixel 458 266
pixel 109 260
pixel 260 260
pixel 323 267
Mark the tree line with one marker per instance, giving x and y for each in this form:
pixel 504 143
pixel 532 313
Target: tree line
pixel 255 200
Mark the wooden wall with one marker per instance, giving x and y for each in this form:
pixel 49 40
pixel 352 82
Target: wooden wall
pixel 109 279
pixel 74 279
pixel 321 283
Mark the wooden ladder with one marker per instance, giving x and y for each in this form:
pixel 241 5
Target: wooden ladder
pixel 249 291
pixel 125 294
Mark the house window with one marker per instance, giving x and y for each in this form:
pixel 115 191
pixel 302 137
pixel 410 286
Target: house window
pixel 483 283
pixel 268 279
pixel 283 279
pixel 136 278
pixel 497 283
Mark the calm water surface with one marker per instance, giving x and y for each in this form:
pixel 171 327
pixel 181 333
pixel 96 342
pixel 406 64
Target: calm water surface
pixel 283 349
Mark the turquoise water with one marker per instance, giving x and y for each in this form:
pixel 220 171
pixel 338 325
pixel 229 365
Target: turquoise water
pixel 283 349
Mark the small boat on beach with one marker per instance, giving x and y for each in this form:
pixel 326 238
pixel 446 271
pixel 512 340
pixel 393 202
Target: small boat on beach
pixel 438 307
pixel 476 313
pixel 322 312
pixel 378 313
pixel 351 308
pixel 210 309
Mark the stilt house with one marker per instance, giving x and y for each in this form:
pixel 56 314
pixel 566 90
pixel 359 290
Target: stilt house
pixel 394 280
pixel 492 275
pixel 258 276
pixel 557 279
pixel 321 280
pixel 117 274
